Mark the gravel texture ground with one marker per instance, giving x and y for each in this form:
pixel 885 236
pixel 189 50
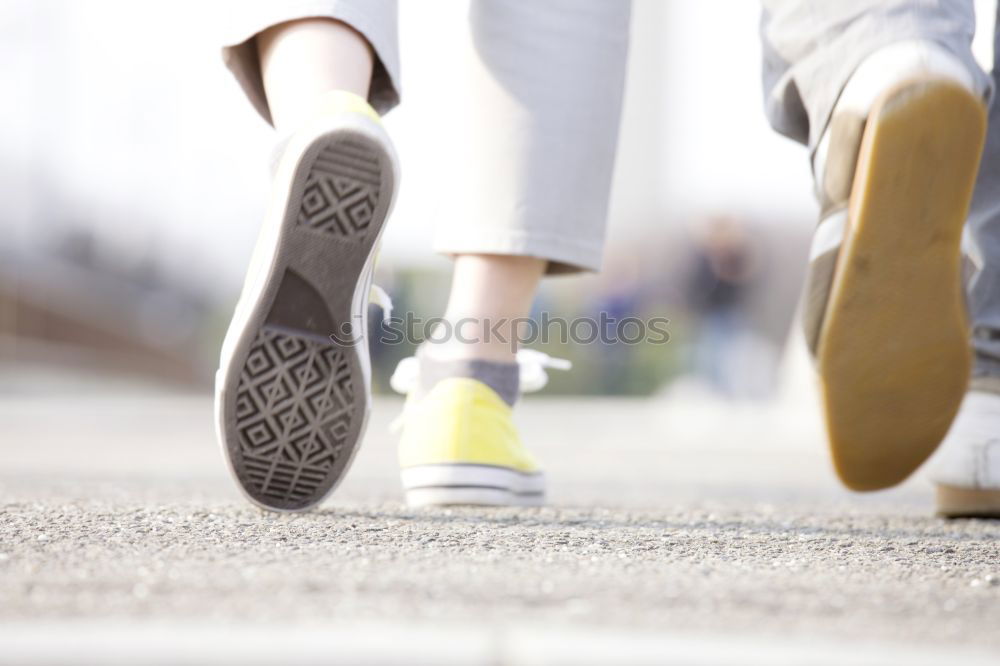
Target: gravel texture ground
pixel 701 533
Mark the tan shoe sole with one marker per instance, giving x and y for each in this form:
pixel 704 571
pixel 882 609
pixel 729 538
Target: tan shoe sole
pixel 954 502
pixel 893 354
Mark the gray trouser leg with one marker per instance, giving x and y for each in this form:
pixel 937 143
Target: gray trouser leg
pixel 535 131
pixel 811 48
pixel 984 223
pixel 532 133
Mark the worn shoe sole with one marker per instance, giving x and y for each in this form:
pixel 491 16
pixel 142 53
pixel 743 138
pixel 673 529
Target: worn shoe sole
pixel 893 353
pixel 293 387
pixel 954 502
pixel 466 483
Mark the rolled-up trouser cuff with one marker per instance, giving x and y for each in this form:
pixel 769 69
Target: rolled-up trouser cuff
pixel 565 255
pixel 375 19
pixel 811 49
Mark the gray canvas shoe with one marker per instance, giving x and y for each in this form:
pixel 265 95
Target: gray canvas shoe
pixel 884 311
pixel 293 386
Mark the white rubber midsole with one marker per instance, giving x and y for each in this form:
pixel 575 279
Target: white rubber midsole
pixel 461 483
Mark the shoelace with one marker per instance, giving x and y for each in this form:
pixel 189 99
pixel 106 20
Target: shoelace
pixel 971 249
pixel 532 366
pixel 379 297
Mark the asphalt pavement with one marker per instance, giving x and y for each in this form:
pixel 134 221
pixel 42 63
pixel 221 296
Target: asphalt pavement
pixel 681 529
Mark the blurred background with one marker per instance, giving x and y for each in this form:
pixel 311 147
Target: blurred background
pixel 134 177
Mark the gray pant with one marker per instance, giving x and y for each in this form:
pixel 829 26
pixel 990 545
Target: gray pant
pixel 536 135
pixel 811 48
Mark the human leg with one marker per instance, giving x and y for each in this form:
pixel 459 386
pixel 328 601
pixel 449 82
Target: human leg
pixel 890 102
pixel 536 142
pixel 303 59
pixel 967 469
pixel 247 22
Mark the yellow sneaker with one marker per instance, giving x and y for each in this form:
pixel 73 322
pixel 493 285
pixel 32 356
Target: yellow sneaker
pixel 459 444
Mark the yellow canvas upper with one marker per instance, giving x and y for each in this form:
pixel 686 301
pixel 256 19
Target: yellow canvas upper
pixel 462 420
pixel 342 101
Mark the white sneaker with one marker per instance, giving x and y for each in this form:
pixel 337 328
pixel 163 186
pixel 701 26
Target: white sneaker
pixel 966 470
pixel 293 386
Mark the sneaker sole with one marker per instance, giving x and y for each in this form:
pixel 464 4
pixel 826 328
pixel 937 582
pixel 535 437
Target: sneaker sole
pixel 954 502
pixel 482 485
pixel 293 399
pixel 894 356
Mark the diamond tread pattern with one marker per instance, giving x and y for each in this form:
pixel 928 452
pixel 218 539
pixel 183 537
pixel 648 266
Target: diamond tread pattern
pixel 296 397
pixel 342 191
pixel 294 406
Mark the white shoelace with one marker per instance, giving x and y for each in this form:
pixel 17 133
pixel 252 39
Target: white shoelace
pixel 971 249
pixel 379 297
pixel 532 366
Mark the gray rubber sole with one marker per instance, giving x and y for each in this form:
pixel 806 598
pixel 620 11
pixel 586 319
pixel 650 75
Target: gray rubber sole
pixel 294 399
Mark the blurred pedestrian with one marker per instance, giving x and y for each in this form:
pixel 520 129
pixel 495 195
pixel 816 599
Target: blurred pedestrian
pixel 717 289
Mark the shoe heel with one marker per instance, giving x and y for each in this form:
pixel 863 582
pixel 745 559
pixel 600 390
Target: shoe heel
pixel 954 502
pixel 483 485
